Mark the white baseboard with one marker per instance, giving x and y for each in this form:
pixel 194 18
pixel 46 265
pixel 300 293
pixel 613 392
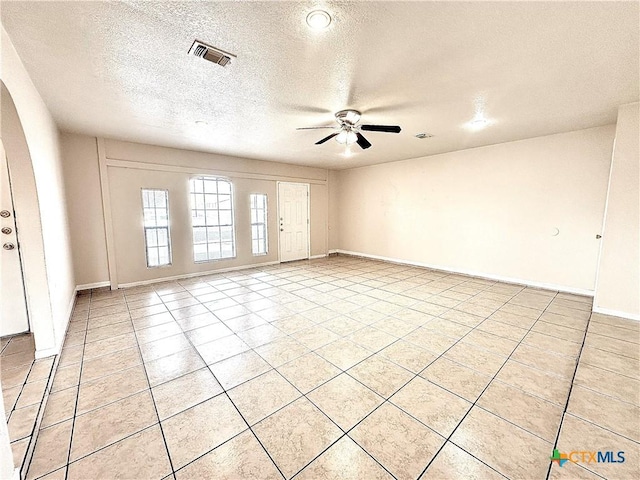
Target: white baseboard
pixel 89 286
pixel 616 313
pixel 499 278
pixel 49 352
pixel 332 252
pixel 197 274
pixel 313 257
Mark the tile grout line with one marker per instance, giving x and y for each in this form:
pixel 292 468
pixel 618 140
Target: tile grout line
pixel 224 390
pixel 418 375
pixel 289 403
pixel 28 454
pixel 153 400
pixel 385 400
pixel 75 407
pixel 566 405
pixel 35 431
pixel 378 351
pixel 316 324
pixel 448 439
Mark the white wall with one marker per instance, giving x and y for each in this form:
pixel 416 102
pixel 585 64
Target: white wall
pixel 42 138
pixel 133 166
pixel 490 211
pixel 618 289
pixel 27 210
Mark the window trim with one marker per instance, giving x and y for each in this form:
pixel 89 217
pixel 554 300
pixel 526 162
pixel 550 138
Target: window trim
pixel 233 220
pixel 167 228
pixel 265 223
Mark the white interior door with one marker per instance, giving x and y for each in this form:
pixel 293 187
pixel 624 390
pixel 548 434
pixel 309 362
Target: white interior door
pixel 14 317
pixel 293 213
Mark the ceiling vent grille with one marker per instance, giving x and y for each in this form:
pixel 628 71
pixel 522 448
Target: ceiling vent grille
pixel 209 53
pixel 423 135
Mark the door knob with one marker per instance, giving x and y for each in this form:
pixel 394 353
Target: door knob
pixel 6 230
pixel 8 246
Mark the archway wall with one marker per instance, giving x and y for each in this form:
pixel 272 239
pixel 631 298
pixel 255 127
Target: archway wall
pixel 52 286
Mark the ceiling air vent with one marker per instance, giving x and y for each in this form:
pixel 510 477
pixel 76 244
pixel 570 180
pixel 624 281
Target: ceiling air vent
pixel 209 53
pixel 423 135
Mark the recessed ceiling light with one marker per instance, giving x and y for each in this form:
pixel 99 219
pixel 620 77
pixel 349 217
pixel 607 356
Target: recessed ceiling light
pixel 318 19
pixel 478 123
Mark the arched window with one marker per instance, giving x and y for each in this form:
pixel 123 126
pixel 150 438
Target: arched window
pixel 212 218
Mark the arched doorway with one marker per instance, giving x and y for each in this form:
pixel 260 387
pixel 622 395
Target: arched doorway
pixel 28 222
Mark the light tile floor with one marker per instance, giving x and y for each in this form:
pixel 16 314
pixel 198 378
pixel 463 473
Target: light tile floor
pixel 339 368
pixel 24 384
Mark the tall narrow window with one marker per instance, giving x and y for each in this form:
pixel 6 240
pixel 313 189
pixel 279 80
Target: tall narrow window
pixel 212 219
pixel 258 223
pixel 155 204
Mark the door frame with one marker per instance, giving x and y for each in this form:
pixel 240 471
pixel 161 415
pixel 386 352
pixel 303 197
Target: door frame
pixel 308 185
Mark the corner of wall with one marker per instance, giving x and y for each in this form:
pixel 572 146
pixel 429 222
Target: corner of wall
pixel 618 280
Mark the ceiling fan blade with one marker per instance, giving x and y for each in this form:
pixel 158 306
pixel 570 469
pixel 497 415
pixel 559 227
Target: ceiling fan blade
pixel 381 128
pixel 363 142
pixel 326 139
pixel 314 128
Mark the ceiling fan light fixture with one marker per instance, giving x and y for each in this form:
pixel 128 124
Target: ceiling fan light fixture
pixel 318 20
pixel 350 117
pixel 347 137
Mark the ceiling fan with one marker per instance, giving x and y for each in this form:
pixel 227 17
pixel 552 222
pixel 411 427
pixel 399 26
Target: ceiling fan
pixel 349 130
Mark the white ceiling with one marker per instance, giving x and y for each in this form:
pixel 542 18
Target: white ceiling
pixel 121 70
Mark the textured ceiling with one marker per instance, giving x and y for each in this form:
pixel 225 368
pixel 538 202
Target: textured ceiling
pixel 121 70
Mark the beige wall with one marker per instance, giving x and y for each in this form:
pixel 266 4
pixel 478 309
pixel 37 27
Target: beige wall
pixel 490 211
pixel 187 158
pixel 618 289
pixel 334 239
pixel 319 212
pixel 50 308
pixel 86 220
pixel 132 167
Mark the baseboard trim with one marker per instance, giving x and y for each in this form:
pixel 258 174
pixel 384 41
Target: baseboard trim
pixel 616 313
pixel 89 286
pixel 332 252
pixel 470 273
pixel 49 352
pixel 197 274
pixel 314 257
pixel 55 350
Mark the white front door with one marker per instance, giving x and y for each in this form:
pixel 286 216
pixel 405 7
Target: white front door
pixel 293 213
pixel 14 317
